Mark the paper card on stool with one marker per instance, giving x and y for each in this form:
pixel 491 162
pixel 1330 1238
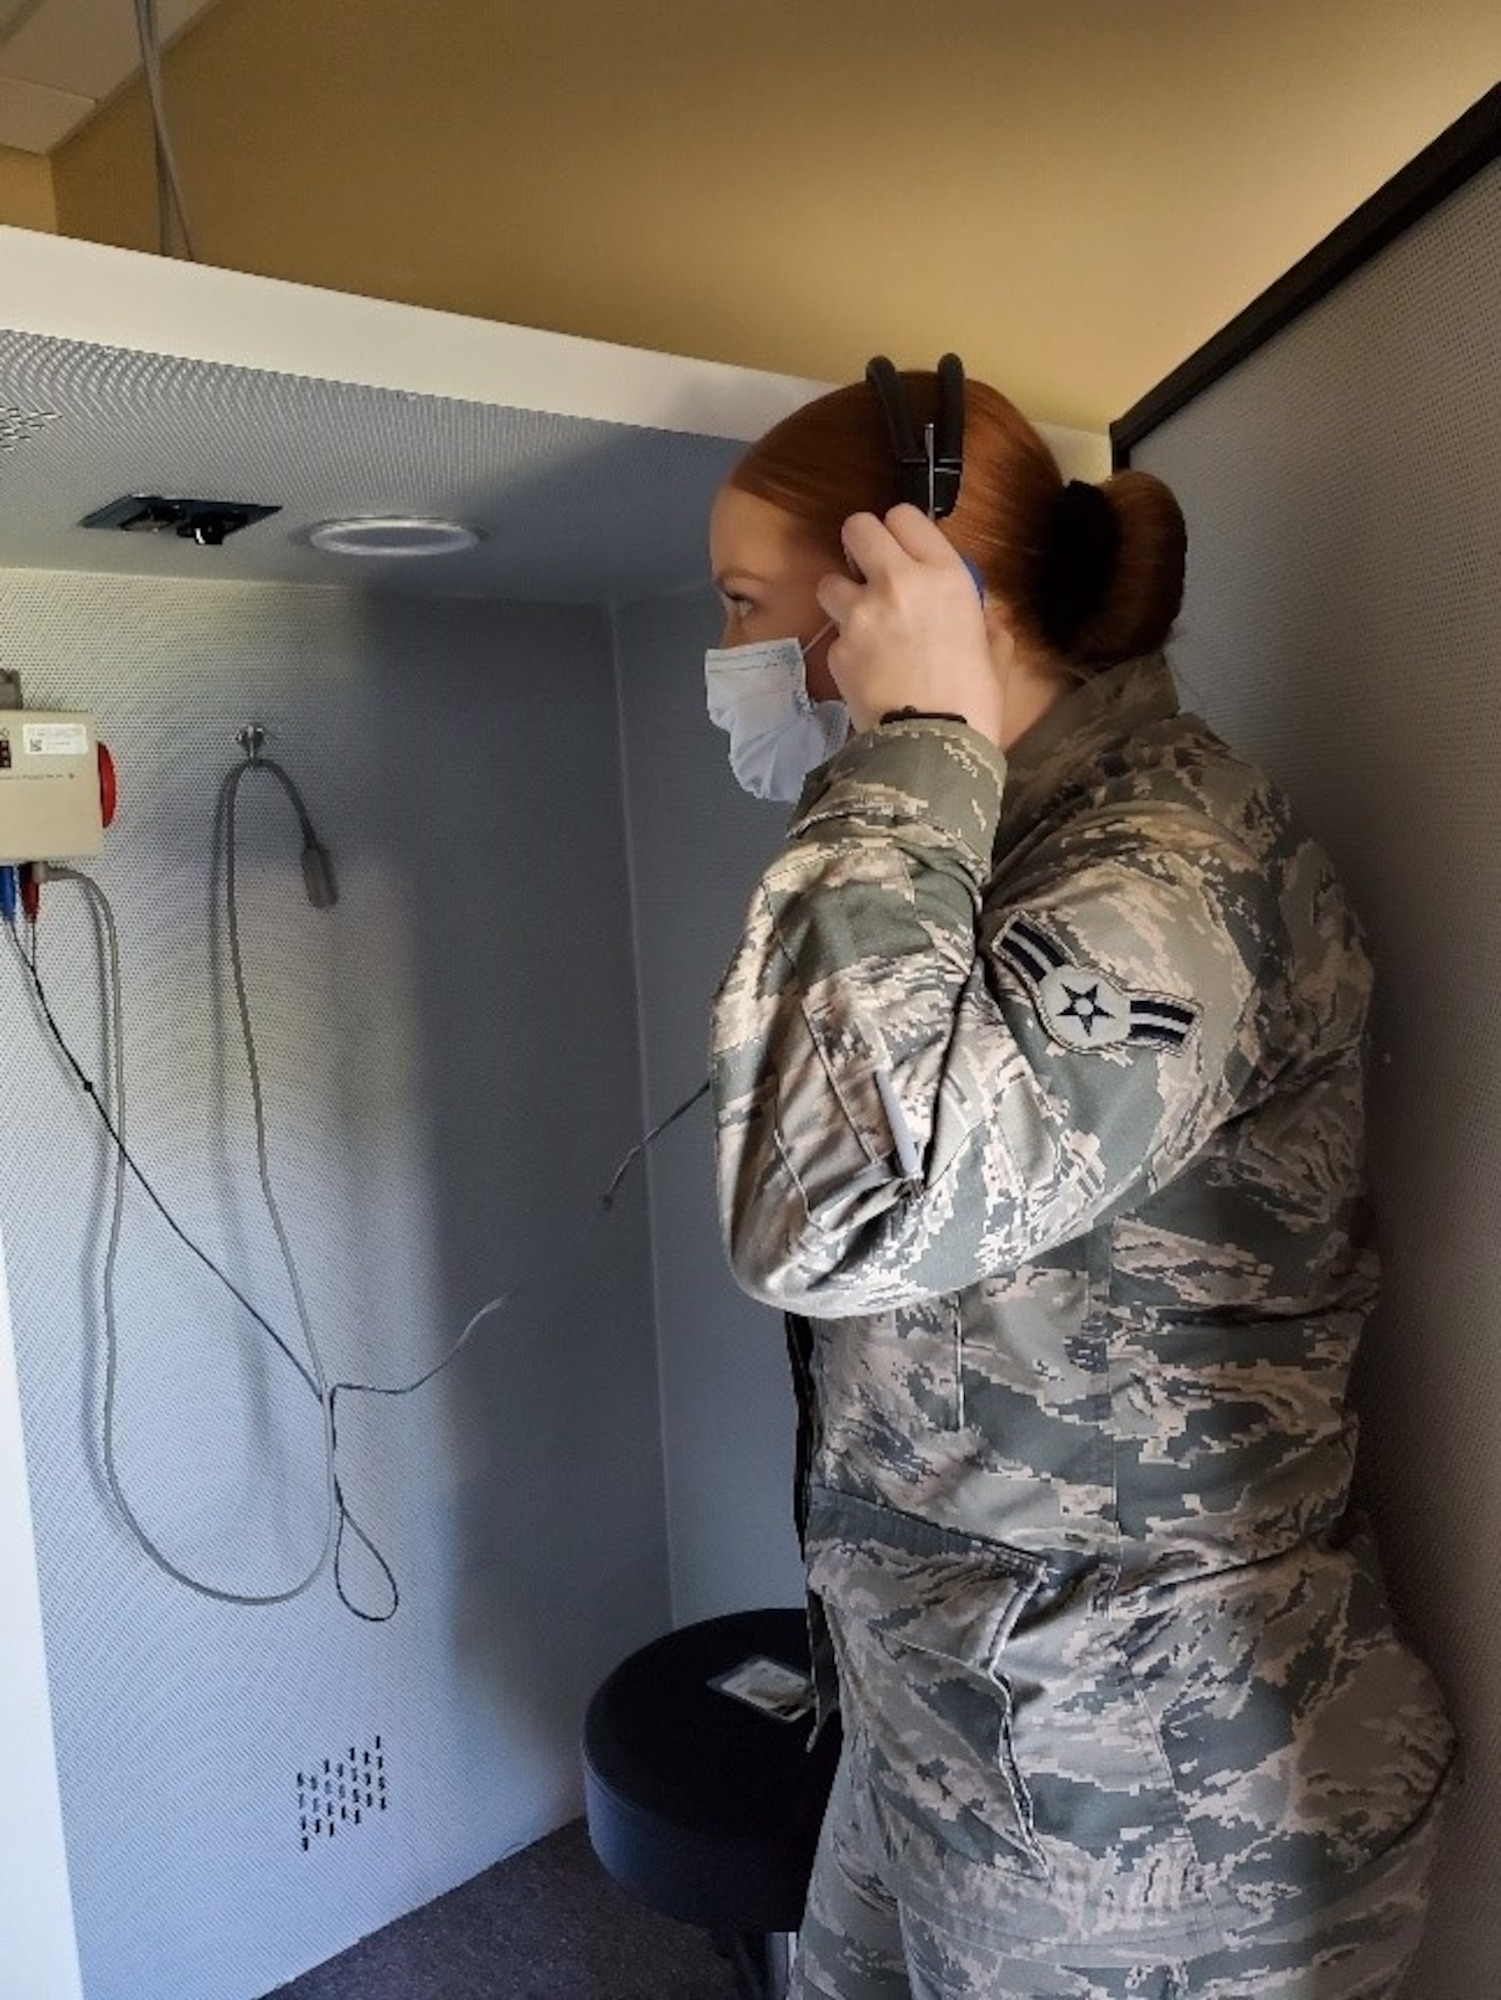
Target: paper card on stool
pixel 775 1689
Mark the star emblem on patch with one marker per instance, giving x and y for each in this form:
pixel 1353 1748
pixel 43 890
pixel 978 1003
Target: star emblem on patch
pixel 1084 1004
pixel 1079 1006
pixel 1082 1008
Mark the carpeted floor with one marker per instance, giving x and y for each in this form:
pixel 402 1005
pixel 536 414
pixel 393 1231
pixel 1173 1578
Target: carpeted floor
pixel 547 1924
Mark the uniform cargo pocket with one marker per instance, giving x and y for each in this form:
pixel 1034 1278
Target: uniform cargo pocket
pixel 920 1617
pixel 1305 1738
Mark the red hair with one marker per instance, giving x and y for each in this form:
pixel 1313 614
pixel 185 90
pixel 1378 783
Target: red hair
pixel 833 458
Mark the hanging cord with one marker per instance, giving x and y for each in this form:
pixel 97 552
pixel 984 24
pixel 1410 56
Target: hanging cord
pixel 318 879
pixel 316 1383
pixel 86 1083
pixel 168 180
pixel 495 1305
pixel 317 867
pixel 104 919
pixel 651 1137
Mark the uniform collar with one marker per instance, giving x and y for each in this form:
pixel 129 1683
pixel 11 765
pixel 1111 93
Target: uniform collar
pixel 1072 736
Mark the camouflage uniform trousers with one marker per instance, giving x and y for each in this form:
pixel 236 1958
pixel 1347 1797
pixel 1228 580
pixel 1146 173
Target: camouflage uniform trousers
pixel 869 1936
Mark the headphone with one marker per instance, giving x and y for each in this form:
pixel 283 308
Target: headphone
pixel 929 467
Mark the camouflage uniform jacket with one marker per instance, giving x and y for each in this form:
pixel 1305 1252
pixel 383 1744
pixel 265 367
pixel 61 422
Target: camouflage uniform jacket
pixel 1039 1094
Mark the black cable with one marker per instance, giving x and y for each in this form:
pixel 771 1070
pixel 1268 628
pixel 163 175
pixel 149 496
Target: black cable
pixel 128 1157
pixel 114 1051
pixel 655 1133
pixel 346 1519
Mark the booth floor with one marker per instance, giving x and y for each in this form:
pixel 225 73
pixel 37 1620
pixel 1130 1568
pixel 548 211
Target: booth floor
pixel 546 1924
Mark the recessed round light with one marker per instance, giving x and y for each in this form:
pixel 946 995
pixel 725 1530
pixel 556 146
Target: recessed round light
pixel 393 535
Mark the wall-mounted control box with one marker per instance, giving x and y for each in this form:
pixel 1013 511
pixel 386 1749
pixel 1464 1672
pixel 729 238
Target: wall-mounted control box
pixel 49 786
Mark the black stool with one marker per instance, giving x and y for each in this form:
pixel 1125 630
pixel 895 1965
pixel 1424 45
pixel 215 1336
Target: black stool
pixel 701 1806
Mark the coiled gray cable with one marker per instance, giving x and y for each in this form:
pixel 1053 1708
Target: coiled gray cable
pixel 104 917
pixel 319 882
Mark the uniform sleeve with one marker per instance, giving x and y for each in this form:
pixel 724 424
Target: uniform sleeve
pixel 912 1091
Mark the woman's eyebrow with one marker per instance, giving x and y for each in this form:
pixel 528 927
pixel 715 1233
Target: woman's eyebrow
pixel 724 576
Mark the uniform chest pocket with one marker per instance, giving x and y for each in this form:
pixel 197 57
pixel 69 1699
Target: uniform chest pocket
pixel 920 1617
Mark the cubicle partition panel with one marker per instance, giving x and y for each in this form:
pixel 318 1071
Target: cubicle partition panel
pixel 1337 453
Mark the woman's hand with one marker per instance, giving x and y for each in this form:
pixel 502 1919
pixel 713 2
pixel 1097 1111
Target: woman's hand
pixel 914 633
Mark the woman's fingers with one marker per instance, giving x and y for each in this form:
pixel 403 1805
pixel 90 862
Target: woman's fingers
pixel 837 596
pixel 911 628
pixel 882 552
pixel 880 548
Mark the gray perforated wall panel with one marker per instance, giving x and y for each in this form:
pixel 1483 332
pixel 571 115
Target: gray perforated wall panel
pixel 1343 625
pixel 451 1068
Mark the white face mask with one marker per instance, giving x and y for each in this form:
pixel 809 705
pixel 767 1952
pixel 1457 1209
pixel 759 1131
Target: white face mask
pixel 778 733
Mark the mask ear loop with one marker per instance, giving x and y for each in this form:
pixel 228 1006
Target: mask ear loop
pixel 808 697
pixel 828 625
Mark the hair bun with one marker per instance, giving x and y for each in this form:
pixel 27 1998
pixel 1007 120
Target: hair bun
pixel 1080 547
pixel 1144 590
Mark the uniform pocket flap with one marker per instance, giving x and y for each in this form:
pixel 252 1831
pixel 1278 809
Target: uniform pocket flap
pixel 915 1584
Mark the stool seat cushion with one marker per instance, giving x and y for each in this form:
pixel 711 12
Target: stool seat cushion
pixel 700 1805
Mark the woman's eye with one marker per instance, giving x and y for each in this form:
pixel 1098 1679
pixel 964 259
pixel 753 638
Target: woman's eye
pixel 735 607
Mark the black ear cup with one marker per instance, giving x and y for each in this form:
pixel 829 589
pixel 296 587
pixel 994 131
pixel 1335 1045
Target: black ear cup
pixel 931 466
pixel 948 437
pixel 907 447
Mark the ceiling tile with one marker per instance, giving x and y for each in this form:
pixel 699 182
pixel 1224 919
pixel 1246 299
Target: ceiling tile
pixel 34 118
pixel 78 54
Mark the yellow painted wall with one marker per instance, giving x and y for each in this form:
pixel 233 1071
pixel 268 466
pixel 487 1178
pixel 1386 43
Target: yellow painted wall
pixel 1072 193
pixel 26 200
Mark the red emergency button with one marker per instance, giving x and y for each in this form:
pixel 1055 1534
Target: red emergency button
pixel 108 791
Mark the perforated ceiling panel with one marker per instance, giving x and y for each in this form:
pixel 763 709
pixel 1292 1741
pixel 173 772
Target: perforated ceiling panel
pixel 571 509
pixel 1343 626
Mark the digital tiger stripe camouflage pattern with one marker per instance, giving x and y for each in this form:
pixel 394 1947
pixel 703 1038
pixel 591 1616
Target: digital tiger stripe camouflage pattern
pixel 1039 1095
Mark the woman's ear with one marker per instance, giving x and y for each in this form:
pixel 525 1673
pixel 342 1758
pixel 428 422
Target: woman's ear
pixel 998 627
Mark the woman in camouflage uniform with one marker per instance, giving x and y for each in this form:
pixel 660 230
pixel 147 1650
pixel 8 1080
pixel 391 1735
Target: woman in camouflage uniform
pixel 1038 1077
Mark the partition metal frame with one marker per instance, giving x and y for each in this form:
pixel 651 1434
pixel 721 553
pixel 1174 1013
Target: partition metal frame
pixel 1470 144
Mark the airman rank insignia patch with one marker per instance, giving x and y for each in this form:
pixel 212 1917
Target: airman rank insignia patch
pixel 1079 1006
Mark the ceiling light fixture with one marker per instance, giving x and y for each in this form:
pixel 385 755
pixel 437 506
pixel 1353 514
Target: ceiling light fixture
pixel 401 536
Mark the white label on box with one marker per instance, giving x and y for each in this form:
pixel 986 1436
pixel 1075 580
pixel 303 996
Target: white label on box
pixel 55 739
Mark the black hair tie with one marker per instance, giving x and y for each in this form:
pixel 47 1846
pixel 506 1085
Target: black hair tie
pixel 1079 556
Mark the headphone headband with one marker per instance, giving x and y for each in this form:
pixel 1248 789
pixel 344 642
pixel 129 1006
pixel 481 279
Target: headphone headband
pixel 930 468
